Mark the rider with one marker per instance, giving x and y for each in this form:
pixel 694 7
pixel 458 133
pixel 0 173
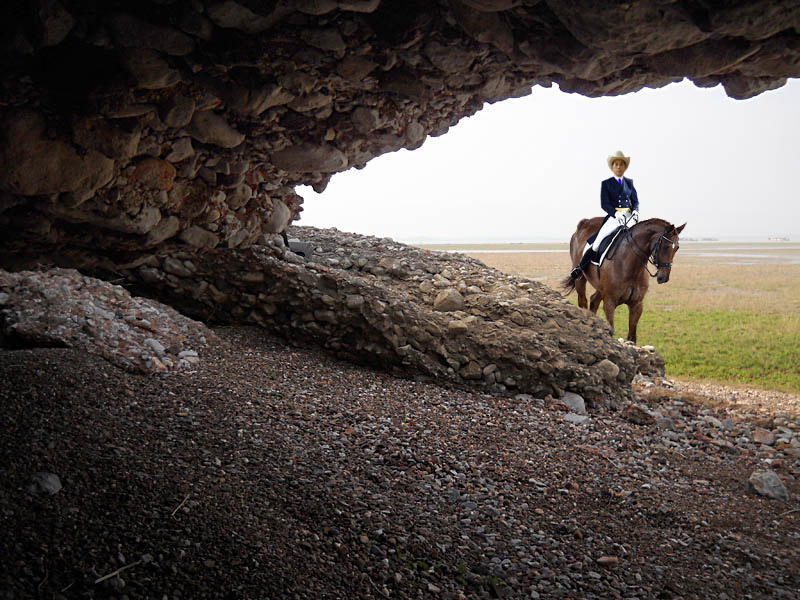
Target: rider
pixel 619 200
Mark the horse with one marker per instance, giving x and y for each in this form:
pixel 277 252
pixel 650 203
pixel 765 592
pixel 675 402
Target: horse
pixel 623 276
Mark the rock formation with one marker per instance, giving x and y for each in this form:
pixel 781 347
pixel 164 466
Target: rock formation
pixel 126 126
pixel 133 133
pixel 423 314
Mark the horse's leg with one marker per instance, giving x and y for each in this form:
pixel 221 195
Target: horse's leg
pixel 580 287
pixel 635 311
pixel 596 300
pixel 609 307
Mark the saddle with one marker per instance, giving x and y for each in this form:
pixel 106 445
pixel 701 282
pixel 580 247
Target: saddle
pixel 605 247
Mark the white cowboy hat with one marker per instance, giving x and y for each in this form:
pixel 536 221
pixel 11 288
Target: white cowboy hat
pixel 618 155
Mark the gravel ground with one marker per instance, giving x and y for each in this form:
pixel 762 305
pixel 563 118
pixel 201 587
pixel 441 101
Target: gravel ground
pixel 279 472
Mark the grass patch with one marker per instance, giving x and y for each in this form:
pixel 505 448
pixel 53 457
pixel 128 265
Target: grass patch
pixel 729 314
pixel 739 347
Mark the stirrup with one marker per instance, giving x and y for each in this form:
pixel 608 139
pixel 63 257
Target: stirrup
pixel 576 273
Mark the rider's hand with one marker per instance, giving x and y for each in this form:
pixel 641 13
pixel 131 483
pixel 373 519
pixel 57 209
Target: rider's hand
pixel 635 216
pixel 620 217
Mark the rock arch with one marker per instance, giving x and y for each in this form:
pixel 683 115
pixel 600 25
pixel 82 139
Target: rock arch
pixel 135 131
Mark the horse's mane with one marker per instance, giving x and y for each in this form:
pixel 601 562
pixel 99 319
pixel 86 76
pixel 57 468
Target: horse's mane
pixel 655 221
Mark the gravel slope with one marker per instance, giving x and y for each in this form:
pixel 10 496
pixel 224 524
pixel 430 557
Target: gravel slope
pixel 276 472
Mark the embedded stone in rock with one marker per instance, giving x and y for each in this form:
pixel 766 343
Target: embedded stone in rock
pixel 181 150
pixel 649 362
pixel 54 21
pixel 366 119
pixel 163 230
pixel 457 327
pixel 415 135
pixel 256 101
pixel 403 82
pixel 763 436
pixel 574 402
pixel 210 128
pixel 199 238
pixel 179 111
pixel 355 68
pixel 324 39
pixel 484 27
pixel 307 158
pixel 472 371
pixel 767 483
pixel 600 28
pixel 448 300
pixel 196 25
pixel 232 15
pixel 279 218
pixel 176 267
pixel 147 218
pixel 637 414
pixel 149 69
pixel 107 138
pixel 354 301
pixel 239 196
pixel 450 59
pixel 304 249
pixel 153 173
pixel 33 165
pixel 311 102
pixel 608 370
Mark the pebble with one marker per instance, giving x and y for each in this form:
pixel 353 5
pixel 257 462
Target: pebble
pixel 767 483
pixel 574 402
pixel 44 483
pixel 576 418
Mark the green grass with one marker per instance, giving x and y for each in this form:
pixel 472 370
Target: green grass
pixel 740 347
pixel 719 319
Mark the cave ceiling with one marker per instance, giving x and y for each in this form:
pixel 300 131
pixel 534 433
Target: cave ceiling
pixel 128 128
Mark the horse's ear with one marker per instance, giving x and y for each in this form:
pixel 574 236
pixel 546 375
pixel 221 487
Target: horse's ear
pixel 679 229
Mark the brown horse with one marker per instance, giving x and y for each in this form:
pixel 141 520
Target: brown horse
pixel 623 277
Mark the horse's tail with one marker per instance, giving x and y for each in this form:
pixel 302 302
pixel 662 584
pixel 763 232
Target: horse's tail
pixel 567 285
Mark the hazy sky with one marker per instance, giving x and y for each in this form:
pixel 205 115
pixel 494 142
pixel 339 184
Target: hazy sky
pixel 528 169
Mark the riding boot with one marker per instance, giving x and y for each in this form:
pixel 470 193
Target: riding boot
pixel 587 258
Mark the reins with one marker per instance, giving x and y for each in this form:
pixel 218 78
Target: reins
pixel 651 258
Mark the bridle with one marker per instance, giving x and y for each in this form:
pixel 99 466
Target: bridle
pixel 652 258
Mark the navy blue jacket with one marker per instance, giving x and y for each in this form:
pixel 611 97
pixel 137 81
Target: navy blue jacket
pixel 613 195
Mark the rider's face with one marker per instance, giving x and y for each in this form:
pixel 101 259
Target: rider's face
pixel 618 167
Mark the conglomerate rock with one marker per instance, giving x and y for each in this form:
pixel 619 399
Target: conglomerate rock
pixel 135 131
pixel 375 301
pixel 127 124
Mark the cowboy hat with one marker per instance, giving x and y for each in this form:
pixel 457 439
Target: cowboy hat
pixel 618 155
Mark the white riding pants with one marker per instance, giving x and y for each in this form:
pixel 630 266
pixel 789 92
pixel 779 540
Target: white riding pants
pixel 607 229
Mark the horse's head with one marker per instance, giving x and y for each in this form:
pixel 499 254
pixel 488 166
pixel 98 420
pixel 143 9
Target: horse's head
pixel 664 251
